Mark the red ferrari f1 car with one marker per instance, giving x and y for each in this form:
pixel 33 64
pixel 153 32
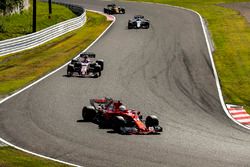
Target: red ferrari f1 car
pixel 109 113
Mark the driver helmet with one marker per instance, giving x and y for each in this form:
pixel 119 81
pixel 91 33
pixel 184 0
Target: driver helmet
pixel 99 108
pixel 122 108
pixel 85 59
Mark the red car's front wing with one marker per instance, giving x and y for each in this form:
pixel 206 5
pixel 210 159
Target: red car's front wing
pixel 134 130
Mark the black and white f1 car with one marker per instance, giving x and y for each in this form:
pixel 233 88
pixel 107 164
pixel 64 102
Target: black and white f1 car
pixel 113 9
pixel 85 66
pixel 138 22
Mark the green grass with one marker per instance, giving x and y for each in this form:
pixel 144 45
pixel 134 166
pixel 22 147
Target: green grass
pixel 21 24
pixel 231 34
pixel 19 69
pixel 10 157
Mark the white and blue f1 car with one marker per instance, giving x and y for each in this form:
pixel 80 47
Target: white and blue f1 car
pixel 138 22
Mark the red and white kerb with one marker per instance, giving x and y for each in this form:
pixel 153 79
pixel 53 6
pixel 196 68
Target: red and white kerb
pixel 239 114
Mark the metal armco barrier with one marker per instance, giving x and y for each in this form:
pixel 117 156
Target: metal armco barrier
pixel 35 39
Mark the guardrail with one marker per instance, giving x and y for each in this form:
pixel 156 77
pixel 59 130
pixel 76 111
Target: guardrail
pixel 32 40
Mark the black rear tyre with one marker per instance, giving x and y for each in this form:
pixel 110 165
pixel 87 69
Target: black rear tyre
pixel 102 123
pixel 88 113
pixel 118 123
pixel 152 120
pixel 70 71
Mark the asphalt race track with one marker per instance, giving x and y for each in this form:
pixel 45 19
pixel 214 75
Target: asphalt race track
pixel 165 71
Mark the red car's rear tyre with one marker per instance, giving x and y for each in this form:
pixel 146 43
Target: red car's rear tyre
pixel 88 113
pixel 118 123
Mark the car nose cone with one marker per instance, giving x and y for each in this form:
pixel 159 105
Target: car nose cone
pixel 138 24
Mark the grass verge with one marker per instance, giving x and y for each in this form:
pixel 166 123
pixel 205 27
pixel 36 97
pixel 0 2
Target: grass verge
pixel 20 69
pixel 21 24
pixel 231 34
pixel 11 157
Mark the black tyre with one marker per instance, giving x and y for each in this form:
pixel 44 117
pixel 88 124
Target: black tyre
pixel 147 26
pixel 102 123
pixel 88 113
pixel 105 10
pixel 130 26
pixel 118 122
pixel 70 71
pixel 101 63
pixel 96 75
pixel 123 11
pixel 97 68
pixel 152 120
